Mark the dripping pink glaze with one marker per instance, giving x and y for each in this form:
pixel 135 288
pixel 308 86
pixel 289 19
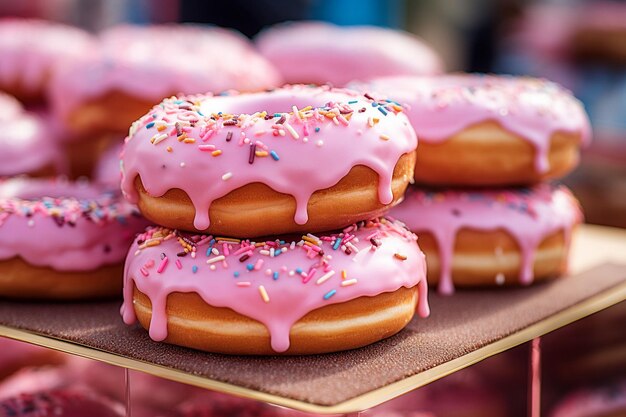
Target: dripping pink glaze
pixel 532 108
pixel 290 297
pixel 152 62
pixel 528 215
pixel 92 228
pixel 31 48
pixel 303 166
pixel 107 170
pixel 603 401
pixel 319 53
pixel 26 141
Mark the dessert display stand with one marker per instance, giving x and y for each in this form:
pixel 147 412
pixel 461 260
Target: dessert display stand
pixel 463 329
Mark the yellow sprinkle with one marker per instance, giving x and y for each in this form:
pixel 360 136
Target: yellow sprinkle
pixel 216 153
pixel 161 128
pixel 397 108
pixel 263 293
pixel 384 137
pixel 189 140
pixel 169 149
pixel 400 256
pixel 344 274
pixel 227 239
pixel 261 153
pixel 348 282
pixel 310 239
pixel 376 120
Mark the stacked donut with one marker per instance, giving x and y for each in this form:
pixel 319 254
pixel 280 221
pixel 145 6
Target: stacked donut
pixel 271 233
pixel 483 207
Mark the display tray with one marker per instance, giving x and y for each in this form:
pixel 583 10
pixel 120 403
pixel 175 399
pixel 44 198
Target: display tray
pixel 463 329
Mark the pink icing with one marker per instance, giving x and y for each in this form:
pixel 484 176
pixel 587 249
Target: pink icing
pixel 605 401
pixel 298 277
pixel 107 170
pixel 528 215
pixel 31 48
pixel 304 151
pixel 89 229
pixel 319 53
pixel 153 62
pixel 26 142
pixel 440 107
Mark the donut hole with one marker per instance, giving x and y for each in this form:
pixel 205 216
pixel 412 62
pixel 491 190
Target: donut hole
pixel 34 189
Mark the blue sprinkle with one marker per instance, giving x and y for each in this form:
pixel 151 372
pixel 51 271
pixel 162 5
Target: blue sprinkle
pixel 236 274
pixel 154 116
pixel 275 275
pixel 200 113
pixel 194 269
pixel 277 114
pixel 278 252
pixel 211 243
pixel 150 125
pixel 353 101
pixel 249 267
pixel 329 294
pixel 383 111
pixel 337 243
pixel 299 270
pixel 374 104
pixel 317 129
pixel 274 155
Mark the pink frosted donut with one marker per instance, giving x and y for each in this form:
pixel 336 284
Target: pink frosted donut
pixel 528 230
pixel 15 355
pixel 486 130
pixel 609 400
pixel 309 158
pixel 278 296
pixel 137 66
pixel 30 49
pixel 63 240
pixel 28 145
pixel 60 403
pixel 319 53
pixel 107 169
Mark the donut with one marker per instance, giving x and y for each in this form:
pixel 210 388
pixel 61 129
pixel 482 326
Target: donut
pixel 16 355
pixel 312 295
pixel 57 247
pixel 320 53
pixel 107 169
pixel 488 130
pixel 308 158
pixel 60 403
pixel 607 400
pixel 492 236
pixel 27 145
pixel 136 66
pixel 30 50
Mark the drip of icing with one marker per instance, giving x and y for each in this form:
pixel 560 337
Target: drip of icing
pixel 319 52
pixel 314 150
pixel 440 107
pixel 292 279
pixel 40 224
pixel 528 215
pixel 152 62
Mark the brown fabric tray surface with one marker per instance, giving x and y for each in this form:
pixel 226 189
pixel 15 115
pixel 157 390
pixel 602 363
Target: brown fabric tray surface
pixel 458 325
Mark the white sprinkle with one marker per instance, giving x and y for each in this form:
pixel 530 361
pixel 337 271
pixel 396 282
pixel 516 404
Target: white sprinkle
pixel 227 176
pixel 320 143
pixel 348 282
pixel 305 139
pixel 159 138
pixel 215 259
pixel 264 294
pixel 182 165
pixel 325 277
pixel 291 131
pixel 215 252
pixel 31 223
pixel 212 267
pixel 500 278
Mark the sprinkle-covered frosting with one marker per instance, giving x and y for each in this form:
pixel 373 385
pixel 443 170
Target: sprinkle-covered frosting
pixel 152 62
pixel 440 107
pixel 27 143
pixel 296 140
pixel 275 282
pixel 31 48
pixel 529 215
pixel 320 52
pixel 41 225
